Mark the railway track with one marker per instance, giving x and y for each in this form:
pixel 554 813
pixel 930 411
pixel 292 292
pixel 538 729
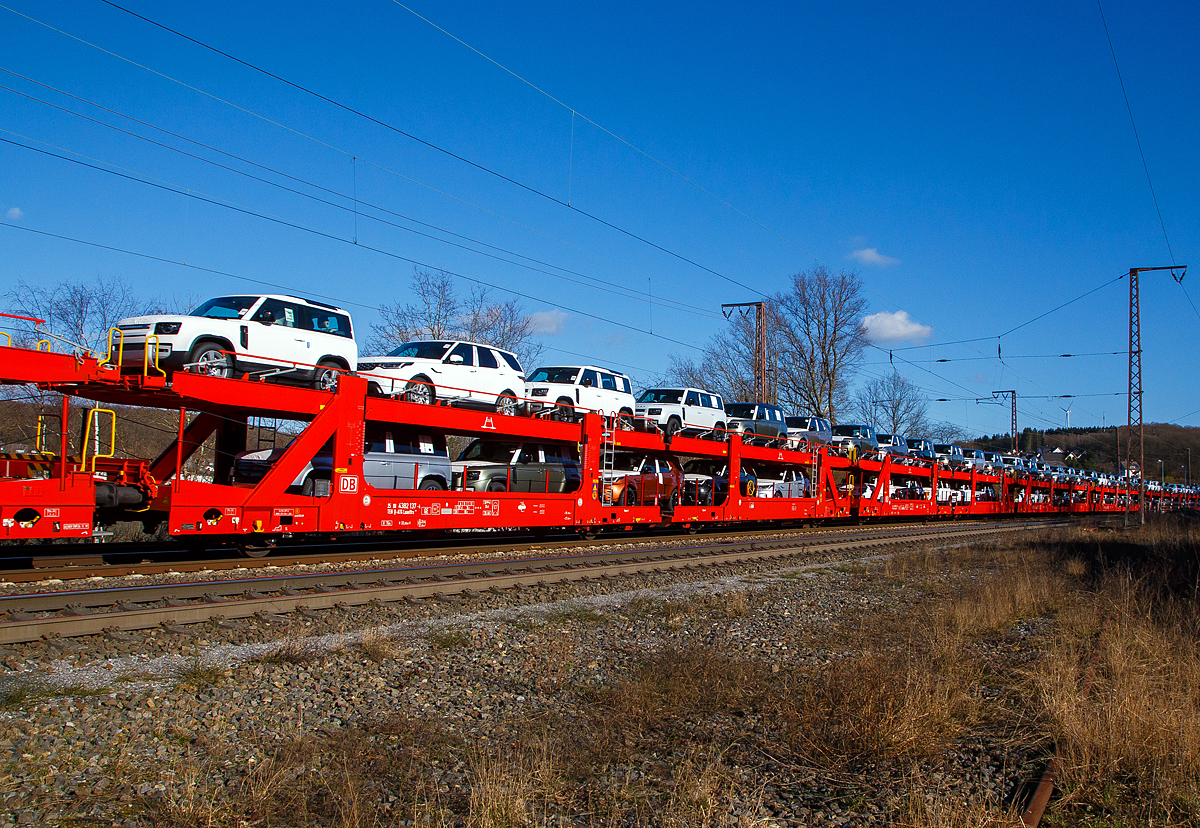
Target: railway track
pixel 70 613
pixel 89 564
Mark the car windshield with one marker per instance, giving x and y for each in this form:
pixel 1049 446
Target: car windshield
pixel 656 395
pixel 744 411
pixel 225 307
pixel 563 376
pixel 916 444
pixel 421 350
pixel 847 431
pixel 711 468
pixel 489 451
pixel 628 462
pixel 796 422
pixel 942 448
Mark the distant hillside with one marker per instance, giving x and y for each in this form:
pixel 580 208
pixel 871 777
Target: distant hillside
pixel 1096 448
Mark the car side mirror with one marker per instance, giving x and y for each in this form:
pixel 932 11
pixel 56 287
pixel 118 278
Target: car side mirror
pixel 456 359
pixel 587 382
pixel 525 458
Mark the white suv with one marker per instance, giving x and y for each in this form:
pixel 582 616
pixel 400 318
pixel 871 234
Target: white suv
pixel 690 410
pixel 239 334
pixel 562 390
pixel 466 374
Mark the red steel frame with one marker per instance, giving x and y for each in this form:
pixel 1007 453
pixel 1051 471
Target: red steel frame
pixel 53 496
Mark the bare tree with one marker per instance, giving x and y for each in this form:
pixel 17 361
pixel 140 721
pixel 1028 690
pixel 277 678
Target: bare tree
pixel 79 312
pixel 893 405
pixel 441 313
pixel 947 433
pixel 821 339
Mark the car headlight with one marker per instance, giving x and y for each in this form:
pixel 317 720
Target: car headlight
pixel 539 392
pixel 167 328
pixel 653 411
pixel 473 474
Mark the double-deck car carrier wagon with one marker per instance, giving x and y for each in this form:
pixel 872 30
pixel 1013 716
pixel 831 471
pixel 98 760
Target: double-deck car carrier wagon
pixel 48 494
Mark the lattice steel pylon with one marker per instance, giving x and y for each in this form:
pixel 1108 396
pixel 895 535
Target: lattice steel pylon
pixel 1135 394
pixel 763 386
pixel 1012 394
pixel 1135 383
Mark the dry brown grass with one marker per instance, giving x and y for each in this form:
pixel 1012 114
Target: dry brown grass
pixel 377 645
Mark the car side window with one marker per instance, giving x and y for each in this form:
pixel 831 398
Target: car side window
pixel 512 362
pixel 705 401
pixel 270 312
pixel 608 382
pixel 693 398
pixel 588 380
pixel 463 350
pixel 762 413
pixel 323 321
pixel 487 359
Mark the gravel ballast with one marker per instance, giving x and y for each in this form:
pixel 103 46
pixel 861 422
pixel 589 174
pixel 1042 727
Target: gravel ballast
pixel 104 730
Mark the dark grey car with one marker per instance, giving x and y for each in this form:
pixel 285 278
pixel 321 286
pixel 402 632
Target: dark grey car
pixel 395 456
pixel 513 466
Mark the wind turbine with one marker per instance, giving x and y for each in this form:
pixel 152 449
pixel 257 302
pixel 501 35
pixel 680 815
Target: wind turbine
pixel 1068 415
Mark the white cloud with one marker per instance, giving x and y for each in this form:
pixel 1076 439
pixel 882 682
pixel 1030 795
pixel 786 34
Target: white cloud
pixel 547 323
pixel 14 214
pixel 872 256
pixel 887 326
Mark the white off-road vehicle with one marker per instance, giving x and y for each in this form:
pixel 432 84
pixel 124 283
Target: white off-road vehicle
pixel 459 373
pixel 567 391
pixel 687 410
pixel 285 336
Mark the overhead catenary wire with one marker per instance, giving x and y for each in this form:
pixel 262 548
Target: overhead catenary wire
pixel 360 161
pixel 575 113
pixel 594 282
pixel 358 113
pixel 334 237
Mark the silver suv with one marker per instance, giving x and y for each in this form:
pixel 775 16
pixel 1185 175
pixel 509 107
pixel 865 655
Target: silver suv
pixel 512 466
pixel 297 339
pixel 810 430
pixel 857 436
pixel 894 444
pixel 687 410
pixel 757 423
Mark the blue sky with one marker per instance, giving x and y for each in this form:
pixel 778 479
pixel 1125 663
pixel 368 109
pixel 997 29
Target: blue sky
pixel 975 165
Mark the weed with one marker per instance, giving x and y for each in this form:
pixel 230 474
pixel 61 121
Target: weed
pixel 16 690
pixel 377 645
pixel 448 639
pixel 198 672
pixel 292 651
pixel 576 613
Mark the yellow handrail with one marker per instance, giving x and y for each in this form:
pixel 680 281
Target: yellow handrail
pixel 38 345
pixel 120 348
pixel 87 436
pixel 6 336
pixel 146 366
pixel 40 439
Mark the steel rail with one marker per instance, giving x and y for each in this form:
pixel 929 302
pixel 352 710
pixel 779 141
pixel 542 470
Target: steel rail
pixel 21 629
pixel 90 598
pixel 92 565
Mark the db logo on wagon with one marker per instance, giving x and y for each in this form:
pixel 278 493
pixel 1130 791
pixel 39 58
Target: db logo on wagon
pixel 348 484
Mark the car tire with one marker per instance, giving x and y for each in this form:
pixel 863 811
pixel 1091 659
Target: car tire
pixel 506 403
pixel 420 390
pixel 211 361
pixel 674 426
pixel 432 484
pixel 629 496
pixel 564 411
pixel 719 433
pixel 325 378
pixel 497 486
pixel 625 420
